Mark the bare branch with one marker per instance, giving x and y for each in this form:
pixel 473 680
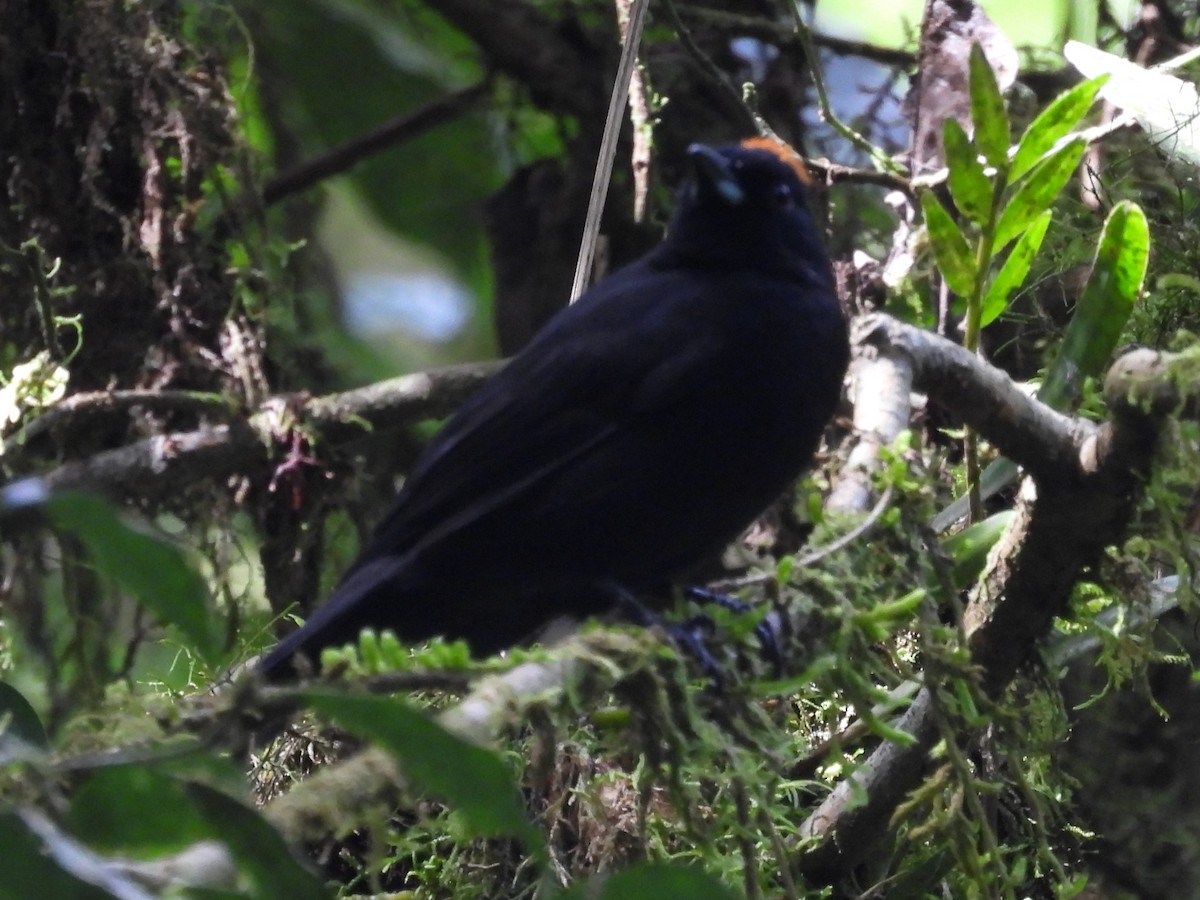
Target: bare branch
pixel 882 377
pixel 1030 433
pixel 167 463
pixel 396 131
pixel 79 409
pixel 783 36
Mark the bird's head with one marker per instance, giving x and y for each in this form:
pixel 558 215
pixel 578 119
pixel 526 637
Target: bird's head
pixel 747 205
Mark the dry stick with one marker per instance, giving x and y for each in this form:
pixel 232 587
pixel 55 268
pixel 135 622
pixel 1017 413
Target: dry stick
pixel 608 146
pixel 639 118
pixel 400 129
pixel 836 173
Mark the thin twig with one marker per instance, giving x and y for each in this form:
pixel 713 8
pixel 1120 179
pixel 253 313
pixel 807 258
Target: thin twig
pixel 817 554
pixel 784 36
pixel 608 146
pixel 836 173
pixel 400 129
pixel 714 72
pixel 639 118
pixel 882 160
pixel 850 536
pixel 90 404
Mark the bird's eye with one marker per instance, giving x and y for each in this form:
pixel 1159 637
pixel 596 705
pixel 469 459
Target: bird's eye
pixel 783 196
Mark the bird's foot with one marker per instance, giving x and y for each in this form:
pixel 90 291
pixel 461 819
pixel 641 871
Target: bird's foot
pixel 690 636
pixel 768 631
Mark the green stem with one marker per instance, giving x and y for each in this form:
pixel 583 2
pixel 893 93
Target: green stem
pixel 881 160
pixel 983 257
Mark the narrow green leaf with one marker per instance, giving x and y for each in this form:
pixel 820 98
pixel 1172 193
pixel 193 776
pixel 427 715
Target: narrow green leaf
pixel 1012 274
pixel 22 734
pixel 471 779
pixel 997 476
pixel 135 811
pixel 987 110
pixel 1038 191
pixel 1092 335
pixel 970 187
pixel 153 571
pixel 1105 306
pixel 262 855
pixel 968 549
pixel 1053 124
pixel 950 248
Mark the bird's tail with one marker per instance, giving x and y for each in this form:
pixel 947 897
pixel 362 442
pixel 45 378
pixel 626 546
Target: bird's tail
pixel 380 592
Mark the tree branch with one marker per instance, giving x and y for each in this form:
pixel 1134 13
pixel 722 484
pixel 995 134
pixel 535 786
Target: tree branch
pixel 1025 430
pixel 83 408
pixel 783 36
pixel 402 128
pixel 373 778
pixel 1072 509
pixel 882 377
pixel 313 809
pixel 166 463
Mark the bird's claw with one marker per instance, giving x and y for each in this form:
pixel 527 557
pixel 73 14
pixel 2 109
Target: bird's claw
pixel 768 630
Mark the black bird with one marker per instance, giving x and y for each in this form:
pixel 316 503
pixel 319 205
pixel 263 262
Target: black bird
pixel 638 433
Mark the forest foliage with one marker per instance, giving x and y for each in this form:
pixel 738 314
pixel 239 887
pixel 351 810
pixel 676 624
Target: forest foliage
pixel 985 598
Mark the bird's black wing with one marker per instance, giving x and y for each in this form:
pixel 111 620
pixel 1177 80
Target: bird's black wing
pixel 566 401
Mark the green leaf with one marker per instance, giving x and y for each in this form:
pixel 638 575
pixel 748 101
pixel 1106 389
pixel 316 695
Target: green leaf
pixel 21 730
pixel 652 882
pixel 970 187
pixel 1053 124
pixel 1105 306
pixel 950 248
pixel 52 865
pixel 142 810
pixel 996 477
pixel 429 189
pixel 135 811
pixel 471 779
pixel 968 549
pixel 153 571
pixel 1091 337
pixel 262 855
pixel 1038 191
pixel 1012 274
pixel 987 110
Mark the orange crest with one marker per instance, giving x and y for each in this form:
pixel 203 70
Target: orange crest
pixel 784 152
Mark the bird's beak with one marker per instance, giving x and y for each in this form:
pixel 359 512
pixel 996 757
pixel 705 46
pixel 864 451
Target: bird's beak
pixel 713 169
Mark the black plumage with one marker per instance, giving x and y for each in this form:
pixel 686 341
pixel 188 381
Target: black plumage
pixel 640 431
